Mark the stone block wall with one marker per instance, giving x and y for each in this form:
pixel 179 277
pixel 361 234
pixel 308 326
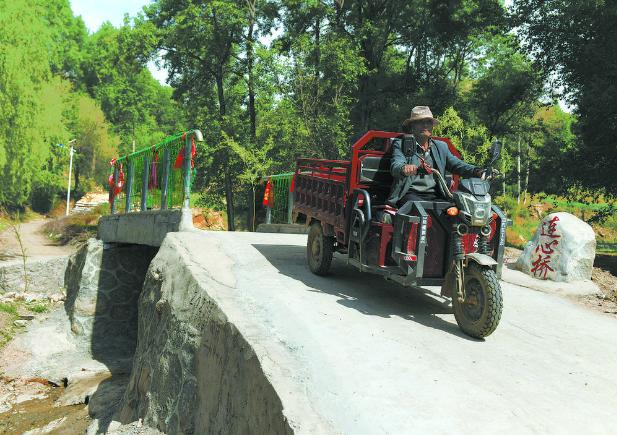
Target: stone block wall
pixel 45 275
pixel 103 284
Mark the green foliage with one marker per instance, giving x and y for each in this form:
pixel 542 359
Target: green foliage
pixel 23 41
pixel 268 81
pixel 574 42
pixel 471 140
pixel 47 187
pixel 507 87
pixel 58 83
pixel 38 308
pixel 7 307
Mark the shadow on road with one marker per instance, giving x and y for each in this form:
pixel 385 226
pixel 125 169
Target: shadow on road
pixel 369 294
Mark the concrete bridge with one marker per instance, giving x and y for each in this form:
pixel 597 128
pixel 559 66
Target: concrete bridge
pixel 222 332
pixel 237 336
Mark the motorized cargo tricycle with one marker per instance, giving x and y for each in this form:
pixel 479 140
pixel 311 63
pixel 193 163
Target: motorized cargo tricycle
pixel 456 243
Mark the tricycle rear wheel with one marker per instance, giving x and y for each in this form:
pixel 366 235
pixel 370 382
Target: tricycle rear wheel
pixel 479 315
pixel 319 250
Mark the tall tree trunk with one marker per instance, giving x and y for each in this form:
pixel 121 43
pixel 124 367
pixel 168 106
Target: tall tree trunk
pixel 317 58
pixel 526 176
pixel 76 187
pixel 227 176
pixel 364 104
pixel 250 61
pixel 518 171
pixel 250 218
pixel 503 172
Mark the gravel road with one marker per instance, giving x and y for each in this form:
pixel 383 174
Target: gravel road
pixel 36 243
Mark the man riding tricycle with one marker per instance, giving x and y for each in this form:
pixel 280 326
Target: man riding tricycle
pixel 399 209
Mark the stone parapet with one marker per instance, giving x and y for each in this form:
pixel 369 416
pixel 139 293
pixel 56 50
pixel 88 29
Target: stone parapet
pixel 143 228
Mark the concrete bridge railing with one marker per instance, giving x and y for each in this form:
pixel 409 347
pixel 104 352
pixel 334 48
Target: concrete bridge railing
pixel 153 197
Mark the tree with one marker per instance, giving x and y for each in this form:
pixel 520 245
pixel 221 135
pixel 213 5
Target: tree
pixel 200 39
pixel 19 97
pixel 95 143
pixel 574 43
pixel 506 89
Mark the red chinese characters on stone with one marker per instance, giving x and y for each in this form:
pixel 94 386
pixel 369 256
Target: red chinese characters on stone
pixel 545 249
pixel 542 266
pixel 552 227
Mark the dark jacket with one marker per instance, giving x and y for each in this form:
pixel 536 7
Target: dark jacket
pixel 403 153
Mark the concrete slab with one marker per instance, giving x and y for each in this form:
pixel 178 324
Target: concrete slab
pixel 367 356
pixel 283 228
pixel 143 228
pixel 573 288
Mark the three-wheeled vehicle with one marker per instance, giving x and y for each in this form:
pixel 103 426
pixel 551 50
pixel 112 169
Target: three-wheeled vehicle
pixel 456 243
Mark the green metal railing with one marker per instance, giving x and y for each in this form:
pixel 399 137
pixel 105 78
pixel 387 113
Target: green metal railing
pixel 157 177
pixel 280 212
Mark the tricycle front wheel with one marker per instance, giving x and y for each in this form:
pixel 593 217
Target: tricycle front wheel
pixel 479 315
pixel 319 250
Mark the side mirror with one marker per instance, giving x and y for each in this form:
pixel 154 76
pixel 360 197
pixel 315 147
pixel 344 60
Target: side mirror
pixel 494 152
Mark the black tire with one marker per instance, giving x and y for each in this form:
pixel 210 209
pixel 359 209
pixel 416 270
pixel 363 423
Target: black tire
pixel 479 315
pixel 319 250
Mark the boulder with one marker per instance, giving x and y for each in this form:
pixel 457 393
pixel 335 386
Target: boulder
pixel 562 249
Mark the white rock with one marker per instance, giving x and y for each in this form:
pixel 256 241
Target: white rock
pixel 562 249
pixel 57 297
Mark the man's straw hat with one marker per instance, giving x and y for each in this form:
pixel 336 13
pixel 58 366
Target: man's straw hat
pixel 421 112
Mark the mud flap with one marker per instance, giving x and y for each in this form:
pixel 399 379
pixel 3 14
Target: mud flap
pixel 448 288
pixel 481 259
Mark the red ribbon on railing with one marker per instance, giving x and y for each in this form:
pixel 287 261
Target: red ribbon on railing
pixel 179 163
pixel 115 187
pixel 152 181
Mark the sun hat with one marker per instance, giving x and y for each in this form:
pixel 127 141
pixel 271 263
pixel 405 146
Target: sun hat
pixel 421 112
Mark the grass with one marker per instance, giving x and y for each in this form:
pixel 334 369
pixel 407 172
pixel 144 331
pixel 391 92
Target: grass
pixel 38 308
pixel 8 314
pixel 9 308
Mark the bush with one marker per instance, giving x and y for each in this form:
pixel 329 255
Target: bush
pixel 46 189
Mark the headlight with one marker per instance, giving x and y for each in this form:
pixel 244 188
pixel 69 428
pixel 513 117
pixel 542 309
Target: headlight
pixel 474 211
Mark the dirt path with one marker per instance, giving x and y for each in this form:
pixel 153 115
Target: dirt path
pixel 36 243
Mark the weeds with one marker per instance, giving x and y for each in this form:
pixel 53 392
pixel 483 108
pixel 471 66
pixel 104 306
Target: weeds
pixel 38 308
pixel 73 228
pixel 14 224
pixel 8 308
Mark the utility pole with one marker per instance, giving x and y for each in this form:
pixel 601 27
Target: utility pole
pixel 503 170
pixel 68 189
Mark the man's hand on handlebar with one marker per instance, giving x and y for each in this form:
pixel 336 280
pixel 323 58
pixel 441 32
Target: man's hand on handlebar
pixel 489 173
pixel 410 170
